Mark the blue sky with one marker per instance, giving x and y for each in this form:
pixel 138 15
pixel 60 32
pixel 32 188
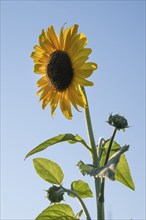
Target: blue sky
pixel 116 34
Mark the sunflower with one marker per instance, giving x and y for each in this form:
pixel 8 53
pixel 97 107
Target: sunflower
pixel 61 60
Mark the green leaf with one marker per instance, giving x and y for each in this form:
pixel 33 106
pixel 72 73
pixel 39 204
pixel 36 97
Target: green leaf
pixel 82 189
pixel 122 171
pixel 110 168
pixel 57 212
pixel 72 139
pixel 115 148
pixel 115 145
pixel 48 170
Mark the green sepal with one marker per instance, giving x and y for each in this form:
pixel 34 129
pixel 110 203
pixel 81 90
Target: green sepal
pixel 72 139
pixel 57 212
pixel 122 174
pixel 85 168
pixel 48 170
pixel 79 214
pixel 81 188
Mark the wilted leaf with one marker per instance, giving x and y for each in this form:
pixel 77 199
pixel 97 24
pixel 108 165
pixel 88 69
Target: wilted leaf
pixel 122 174
pixel 109 169
pixel 85 168
pixel 115 148
pixel 48 170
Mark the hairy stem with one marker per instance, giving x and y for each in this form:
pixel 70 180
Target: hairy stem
pixel 90 133
pixel 101 194
pixel 94 153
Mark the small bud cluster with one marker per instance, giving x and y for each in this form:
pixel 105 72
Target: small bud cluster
pixel 55 194
pixel 118 121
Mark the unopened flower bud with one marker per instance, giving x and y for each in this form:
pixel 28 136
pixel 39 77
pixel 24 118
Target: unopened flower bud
pixel 55 194
pixel 118 121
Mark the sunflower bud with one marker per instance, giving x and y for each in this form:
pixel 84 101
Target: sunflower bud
pixel 55 194
pixel 118 121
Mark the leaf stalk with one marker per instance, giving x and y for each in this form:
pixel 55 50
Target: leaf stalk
pixel 69 191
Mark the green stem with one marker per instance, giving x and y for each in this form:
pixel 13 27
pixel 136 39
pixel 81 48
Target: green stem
pixel 94 153
pixel 101 194
pixel 110 146
pixel 101 201
pixel 69 191
pixel 90 133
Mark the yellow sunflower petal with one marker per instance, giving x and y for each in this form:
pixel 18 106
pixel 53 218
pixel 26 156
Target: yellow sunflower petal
pixel 65 106
pixel 89 65
pixel 74 30
pixel 78 62
pixel 78 96
pixel 65 33
pixel 41 90
pixel 38 57
pixel 53 37
pixel 70 35
pixel 77 44
pixel 82 95
pixel 47 99
pixel 80 40
pixel 38 49
pixel 61 38
pixel 72 99
pixel 42 81
pixel 54 102
pixel 83 82
pixel 39 68
pixel 82 53
pixel 83 73
pixel 45 44
pixel 43 59
pixel 45 93
pixel 68 39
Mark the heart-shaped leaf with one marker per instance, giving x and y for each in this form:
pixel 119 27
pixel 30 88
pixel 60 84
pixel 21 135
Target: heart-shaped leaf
pixel 123 174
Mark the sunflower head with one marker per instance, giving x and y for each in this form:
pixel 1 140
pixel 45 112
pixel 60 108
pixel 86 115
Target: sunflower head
pixel 61 60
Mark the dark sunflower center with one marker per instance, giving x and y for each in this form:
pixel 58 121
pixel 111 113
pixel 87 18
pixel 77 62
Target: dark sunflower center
pixel 59 70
